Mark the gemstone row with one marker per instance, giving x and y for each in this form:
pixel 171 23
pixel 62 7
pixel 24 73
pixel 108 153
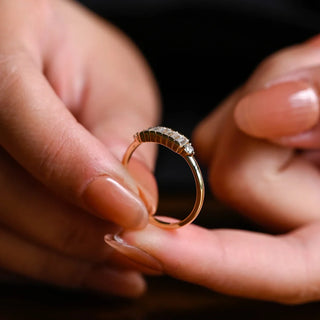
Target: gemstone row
pixel 168 138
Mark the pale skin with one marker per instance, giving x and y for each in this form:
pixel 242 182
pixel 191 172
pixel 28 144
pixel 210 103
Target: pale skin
pixel 73 90
pixel 261 146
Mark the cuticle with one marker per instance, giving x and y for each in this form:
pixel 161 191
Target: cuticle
pixel 89 181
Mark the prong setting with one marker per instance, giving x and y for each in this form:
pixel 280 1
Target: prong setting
pixel 168 138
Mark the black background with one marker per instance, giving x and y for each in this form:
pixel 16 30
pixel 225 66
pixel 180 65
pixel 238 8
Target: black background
pixel 200 51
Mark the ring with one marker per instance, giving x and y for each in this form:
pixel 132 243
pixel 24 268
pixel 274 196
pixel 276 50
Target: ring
pixel 180 145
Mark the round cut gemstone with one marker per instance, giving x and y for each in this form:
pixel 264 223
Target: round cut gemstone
pixel 189 149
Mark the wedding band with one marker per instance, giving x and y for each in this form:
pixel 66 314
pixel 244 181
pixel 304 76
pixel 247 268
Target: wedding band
pixel 180 145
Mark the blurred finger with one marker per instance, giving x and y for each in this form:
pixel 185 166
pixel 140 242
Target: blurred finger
pixel 47 220
pixel 281 110
pixel 35 262
pixel 207 134
pixel 274 186
pixel 281 103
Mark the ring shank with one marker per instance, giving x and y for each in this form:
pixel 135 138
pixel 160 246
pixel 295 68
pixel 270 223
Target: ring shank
pixel 199 189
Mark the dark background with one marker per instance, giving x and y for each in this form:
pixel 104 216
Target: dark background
pixel 201 50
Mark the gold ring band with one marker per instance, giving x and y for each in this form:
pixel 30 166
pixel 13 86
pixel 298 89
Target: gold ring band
pixel 180 145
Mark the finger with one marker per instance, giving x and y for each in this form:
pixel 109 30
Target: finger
pixel 120 261
pixel 242 263
pixel 207 134
pixel 274 186
pixel 282 104
pixel 51 223
pixel 41 134
pixel 47 220
pixel 38 130
pixel 284 109
pixel 119 93
pixel 307 140
pixel 281 97
pixel 35 262
pixel 283 62
pixel 121 101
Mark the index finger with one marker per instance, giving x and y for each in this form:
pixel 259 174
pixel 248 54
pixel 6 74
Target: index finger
pixel 39 78
pixel 39 132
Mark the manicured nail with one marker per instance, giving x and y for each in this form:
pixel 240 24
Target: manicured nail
pixel 280 110
pixel 136 254
pixel 110 200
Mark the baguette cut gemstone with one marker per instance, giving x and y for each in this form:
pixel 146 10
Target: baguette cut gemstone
pixel 168 138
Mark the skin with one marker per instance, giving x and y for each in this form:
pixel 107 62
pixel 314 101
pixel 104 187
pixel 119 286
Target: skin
pixel 73 90
pixel 261 146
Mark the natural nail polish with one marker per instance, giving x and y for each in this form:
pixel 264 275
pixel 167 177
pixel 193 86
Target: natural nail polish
pixel 110 200
pixel 283 109
pixel 136 254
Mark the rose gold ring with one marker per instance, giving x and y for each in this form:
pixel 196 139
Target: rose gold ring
pixel 180 145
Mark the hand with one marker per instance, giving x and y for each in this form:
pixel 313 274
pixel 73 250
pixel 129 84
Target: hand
pixel 73 91
pixel 262 148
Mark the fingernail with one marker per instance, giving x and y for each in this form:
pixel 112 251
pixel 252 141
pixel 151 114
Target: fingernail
pixel 136 254
pixel 110 200
pixel 280 110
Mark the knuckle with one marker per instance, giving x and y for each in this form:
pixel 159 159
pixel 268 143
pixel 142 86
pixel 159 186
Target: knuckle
pixel 51 154
pixel 274 61
pixel 242 176
pixel 10 73
pixel 274 66
pixel 66 273
pixel 39 12
pixel 80 237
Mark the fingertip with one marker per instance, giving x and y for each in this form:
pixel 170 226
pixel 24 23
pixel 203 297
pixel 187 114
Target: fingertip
pixel 282 109
pixel 199 143
pixel 137 175
pixel 108 199
pixel 204 138
pixel 144 260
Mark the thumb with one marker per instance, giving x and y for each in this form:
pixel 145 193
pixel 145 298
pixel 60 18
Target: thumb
pixel 283 109
pixel 234 262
